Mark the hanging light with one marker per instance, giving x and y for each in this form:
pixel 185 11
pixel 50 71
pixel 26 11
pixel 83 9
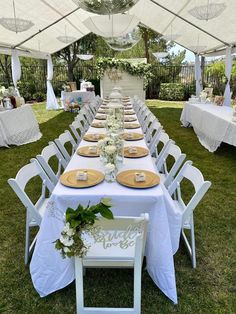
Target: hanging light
pixel 171 36
pixel 66 39
pixel 111 26
pixel 15 24
pixel 124 42
pixel 207 12
pixel 85 57
pixel 104 7
pixel 160 55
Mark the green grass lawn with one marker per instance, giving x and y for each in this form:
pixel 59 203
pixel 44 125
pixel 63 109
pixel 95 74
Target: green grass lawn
pixel 208 289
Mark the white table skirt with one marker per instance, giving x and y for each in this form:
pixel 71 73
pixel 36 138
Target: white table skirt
pixel 212 124
pixel 18 126
pixel 50 272
pixel 85 96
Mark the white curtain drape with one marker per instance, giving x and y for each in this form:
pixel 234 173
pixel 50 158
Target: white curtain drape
pixel 198 75
pixel 52 103
pixel 228 69
pixel 16 69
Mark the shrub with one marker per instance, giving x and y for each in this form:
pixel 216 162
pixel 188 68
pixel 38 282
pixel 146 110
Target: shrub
pixel 172 91
pixel 39 96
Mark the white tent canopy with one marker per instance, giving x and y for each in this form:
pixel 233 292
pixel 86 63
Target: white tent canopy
pixel 55 24
pixel 53 18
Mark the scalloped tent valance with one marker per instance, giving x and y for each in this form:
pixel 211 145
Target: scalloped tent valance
pixel 53 19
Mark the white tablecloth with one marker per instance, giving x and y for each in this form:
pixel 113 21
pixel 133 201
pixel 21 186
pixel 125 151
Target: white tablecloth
pixel 18 126
pixel 85 96
pixel 51 272
pixel 212 124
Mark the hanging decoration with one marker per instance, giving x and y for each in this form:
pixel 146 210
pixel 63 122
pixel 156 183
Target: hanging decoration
pixel 124 42
pixel 66 39
pixel 160 55
pixel 111 26
pixel 15 24
pixel 142 70
pixel 208 11
pixel 85 57
pixel 171 36
pixel 106 7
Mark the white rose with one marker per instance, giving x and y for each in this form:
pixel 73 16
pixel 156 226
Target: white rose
pixel 109 167
pixel 66 227
pixel 66 249
pixel 65 240
pixel 110 150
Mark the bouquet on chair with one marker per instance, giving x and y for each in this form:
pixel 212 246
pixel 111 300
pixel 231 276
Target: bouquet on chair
pixel 77 222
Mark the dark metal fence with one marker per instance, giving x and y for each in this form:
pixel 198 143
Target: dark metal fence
pixel 33 79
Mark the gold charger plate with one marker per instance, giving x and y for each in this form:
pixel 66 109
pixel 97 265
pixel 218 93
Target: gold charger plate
pixel 141 152
pixel 127 178
pixel 104 111
pixel 129 119
pixel 69 178
pixel 100 117
pixel 85 152
pixel 129 113
pixel 135 136
pixel 131 125
pixel 97 125
pixel 90 137
pixel 128 108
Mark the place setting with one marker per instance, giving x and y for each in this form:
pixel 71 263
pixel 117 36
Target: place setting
pixel 88 151
pixel 93 137
pixel 81 178
pixel 138 179
pixel 131 125
pixel 100 117
pixel 129 119
pixel 135 152
pixel 98 125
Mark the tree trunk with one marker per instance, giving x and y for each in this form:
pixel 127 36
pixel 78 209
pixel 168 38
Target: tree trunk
pixel 70 72
pixel 145 39
pixel 203 70
pixel 5 64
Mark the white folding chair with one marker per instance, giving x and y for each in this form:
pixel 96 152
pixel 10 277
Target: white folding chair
pixel 151 130
pixel 34 212
pixel 62 140
pixel 116 243
pixel 81 117
pixel 47 153
pixel 77 129
pixel 167 175
pixel 195 176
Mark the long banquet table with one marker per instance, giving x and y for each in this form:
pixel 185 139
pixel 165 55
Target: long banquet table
pixel 50 272
pixel 18 126
pixel 212 124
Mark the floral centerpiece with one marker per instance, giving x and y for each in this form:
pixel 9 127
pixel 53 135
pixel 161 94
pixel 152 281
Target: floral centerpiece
pixel 77 223
pixel 111 154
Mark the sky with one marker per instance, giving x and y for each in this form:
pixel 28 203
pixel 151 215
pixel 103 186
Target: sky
pixel 189 56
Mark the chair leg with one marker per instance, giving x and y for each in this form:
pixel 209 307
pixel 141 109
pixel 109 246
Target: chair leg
pixel 137 289
pixel 27 240
pixel 79 285
pixel 194 262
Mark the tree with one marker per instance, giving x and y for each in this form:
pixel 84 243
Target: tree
pixel 5 66
pixel 85 45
